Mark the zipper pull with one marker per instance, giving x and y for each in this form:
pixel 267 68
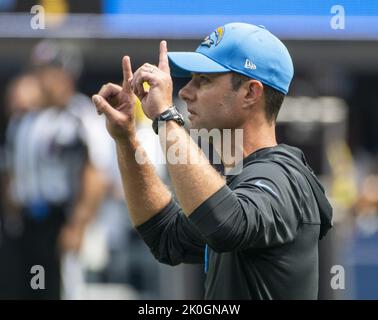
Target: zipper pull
pixel 206 258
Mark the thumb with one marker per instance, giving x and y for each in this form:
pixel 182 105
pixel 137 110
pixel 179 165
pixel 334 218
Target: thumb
pixel 103 106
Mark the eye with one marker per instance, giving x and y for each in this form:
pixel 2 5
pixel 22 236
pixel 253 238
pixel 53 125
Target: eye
pixel 204 78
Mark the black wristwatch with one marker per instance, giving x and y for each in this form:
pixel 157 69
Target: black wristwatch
pixel 170 114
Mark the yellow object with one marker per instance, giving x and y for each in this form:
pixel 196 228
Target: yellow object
pixel 140 117
pixel 146 86
pixel 55 6
pixel 56 11
pixel 343 189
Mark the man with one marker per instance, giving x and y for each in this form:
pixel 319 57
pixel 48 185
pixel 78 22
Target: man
pixel 257 231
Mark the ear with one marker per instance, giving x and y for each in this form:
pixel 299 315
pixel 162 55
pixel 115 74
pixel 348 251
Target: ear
pixel 253 92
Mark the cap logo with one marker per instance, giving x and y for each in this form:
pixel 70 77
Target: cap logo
pixel 208 41
pixel 219 34
pixel 249 65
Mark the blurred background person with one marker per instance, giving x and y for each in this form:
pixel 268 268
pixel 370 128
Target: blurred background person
pixel 23 99
pixel 361 250
pixel 57 179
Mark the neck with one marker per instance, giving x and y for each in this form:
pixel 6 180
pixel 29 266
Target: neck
pixel 255 138
pixel 244 141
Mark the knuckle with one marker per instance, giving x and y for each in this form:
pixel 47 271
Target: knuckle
pixel 119 122
pixel 100 104
pixel 103 90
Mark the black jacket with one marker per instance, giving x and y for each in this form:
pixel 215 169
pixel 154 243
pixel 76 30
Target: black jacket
pixel 261 230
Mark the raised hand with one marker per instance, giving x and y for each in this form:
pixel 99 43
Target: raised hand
pixel 117 103
pixel 158 97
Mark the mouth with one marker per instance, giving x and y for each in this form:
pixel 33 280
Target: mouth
pixel 191 115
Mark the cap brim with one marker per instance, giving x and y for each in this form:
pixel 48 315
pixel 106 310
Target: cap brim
pixel 182 64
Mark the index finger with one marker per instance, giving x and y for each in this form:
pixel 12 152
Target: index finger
pixel 163 57
pixel 127 73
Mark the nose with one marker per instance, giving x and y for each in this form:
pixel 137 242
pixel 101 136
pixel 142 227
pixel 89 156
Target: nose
pixel 187 93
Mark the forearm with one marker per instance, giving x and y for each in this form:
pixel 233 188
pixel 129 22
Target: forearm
pixel 93 188
pixel 92 193
pixel 195 180
pixel 145 193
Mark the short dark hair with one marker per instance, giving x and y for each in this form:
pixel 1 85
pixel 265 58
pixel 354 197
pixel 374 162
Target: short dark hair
pixel 273 97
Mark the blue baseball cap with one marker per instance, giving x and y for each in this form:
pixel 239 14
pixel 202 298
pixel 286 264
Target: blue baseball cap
pixel 240 47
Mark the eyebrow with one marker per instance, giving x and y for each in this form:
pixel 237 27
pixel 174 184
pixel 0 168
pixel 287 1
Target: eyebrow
pixel 210 75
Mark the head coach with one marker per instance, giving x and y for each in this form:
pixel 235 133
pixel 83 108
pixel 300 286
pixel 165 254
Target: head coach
pixel 256 232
